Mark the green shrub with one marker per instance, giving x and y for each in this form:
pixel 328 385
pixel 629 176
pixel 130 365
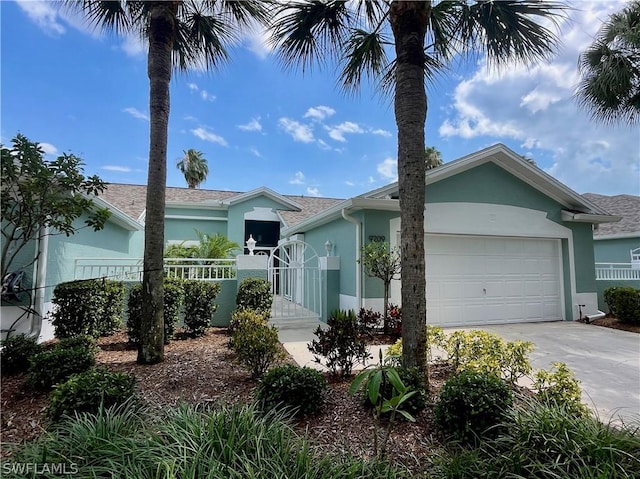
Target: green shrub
pixel 173 300
pixel 561 387
pixel 69 356
pixel 340 343
pixel 301 389
pixel 471 404
pixel 16 353
pixel 113 308
pixel 199 306
pixel 544 440
pixel 487 352
pixel 93 307
pixel 255 293
pixel 413 379
pixel 90 390
pixel 624 303
pixel 256 345
pixel 242 316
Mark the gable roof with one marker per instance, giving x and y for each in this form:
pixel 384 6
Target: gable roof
pixel 131 200
pixel 578 207
pixel 626 206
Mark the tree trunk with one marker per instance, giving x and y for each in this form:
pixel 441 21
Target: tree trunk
pixel 409 24
pixel 161 33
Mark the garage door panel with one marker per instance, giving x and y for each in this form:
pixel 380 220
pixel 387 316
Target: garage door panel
pixel 476 280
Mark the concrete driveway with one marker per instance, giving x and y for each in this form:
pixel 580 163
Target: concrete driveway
pixel 606 361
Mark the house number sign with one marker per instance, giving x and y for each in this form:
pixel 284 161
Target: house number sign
pixel 376 238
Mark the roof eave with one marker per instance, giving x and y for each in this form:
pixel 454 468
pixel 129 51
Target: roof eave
pixel 573 217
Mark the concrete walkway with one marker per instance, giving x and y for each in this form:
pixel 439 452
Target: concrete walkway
pixel 606 361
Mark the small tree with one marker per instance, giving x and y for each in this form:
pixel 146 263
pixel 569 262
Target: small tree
pixel 38 194
pixel 383 262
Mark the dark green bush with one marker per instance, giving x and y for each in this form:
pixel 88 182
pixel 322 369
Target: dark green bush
pixel 624 303
pixel 256 345
pixel 471 404
pixel 413 379
pixel 340 343
pixel 173 300
pixel 111 320
pixel 255 293
pixel 92 307
pixel 69 356
pixel 79 308
pixel 16 353
pixel 289 386
pixel 199 306
pixel 87 391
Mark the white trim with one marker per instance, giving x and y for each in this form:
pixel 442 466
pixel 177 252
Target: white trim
pixel 632 235
pixel 588 218
pixel 262 213
pixel 197 205
pixel 262 191
pixel 190 217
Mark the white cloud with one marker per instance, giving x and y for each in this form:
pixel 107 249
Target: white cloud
pixel 255 152
pixel 257 40
pixel 298 179
pixel 319 112
pixel 44 15
pixel 349 183
pixel 253 125
pixel 134 46
pixel 209 136
pixel 298 131
pixel 206 96
pixel 337 132
pixel 388 169
pixel 116 168
pixel 381 132
pixel 312 191
pixel 535 108
pixel 134 112
pixel 192 86
pixel 49 149
pixel 323 145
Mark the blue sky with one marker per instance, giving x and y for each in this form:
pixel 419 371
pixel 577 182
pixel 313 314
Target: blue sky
pixel 76 90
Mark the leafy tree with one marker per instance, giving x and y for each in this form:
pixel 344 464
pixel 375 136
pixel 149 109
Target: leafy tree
pixel 382 262
pixel 216 246
pixel 194 167
pixel 426 36
pixel 42 198
pixel 180 34
pixel 610 68
pixel 432 157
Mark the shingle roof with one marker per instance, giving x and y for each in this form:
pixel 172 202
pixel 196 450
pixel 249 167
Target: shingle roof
pixel 131 199
pixel 627 206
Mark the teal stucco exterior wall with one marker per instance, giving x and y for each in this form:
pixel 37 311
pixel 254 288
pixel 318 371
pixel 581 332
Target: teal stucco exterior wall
pixel 615 250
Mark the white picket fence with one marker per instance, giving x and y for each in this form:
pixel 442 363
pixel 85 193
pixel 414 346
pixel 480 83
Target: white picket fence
pixel 617 271
pixel 130 269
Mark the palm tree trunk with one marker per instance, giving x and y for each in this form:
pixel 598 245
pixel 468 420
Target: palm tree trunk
pixel 409 24
pixel 161 32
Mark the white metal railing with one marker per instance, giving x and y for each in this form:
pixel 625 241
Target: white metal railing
pixel 130 269
pixel 617 271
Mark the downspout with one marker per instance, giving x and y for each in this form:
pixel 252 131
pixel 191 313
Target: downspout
pixel 40 283
pixel 358 225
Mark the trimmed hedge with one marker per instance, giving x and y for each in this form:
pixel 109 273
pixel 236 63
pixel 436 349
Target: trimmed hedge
pixel 301 389
pixel 92 307
pixel 623 303
pixel 16 353
pixel 199 306
pixel 255 293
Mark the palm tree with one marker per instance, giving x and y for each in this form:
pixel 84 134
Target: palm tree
pixel 425 36
pixel 610 68
pixel 432 157
pixel 194 167
pixel 181 34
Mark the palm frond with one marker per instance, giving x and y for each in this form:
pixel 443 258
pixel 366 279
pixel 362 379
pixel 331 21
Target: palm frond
pixel 508 30
pixel 201 40
pixel 309 31
pixel 365 54
pixel 118 16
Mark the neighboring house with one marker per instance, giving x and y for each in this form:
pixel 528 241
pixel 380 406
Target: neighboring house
pixel 505 242
pixel 617 245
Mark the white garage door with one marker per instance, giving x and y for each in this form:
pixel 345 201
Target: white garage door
pixel 475 280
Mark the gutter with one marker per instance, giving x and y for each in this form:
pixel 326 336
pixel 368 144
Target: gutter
pixel 358 226
pixel 41 276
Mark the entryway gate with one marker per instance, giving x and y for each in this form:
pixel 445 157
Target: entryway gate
pixel 294 272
